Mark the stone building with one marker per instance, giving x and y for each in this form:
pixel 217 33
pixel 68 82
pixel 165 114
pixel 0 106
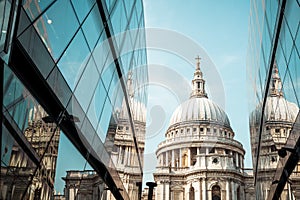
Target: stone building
pixel 83 185
pixel 199 158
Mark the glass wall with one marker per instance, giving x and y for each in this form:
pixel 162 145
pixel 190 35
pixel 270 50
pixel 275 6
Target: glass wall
pixel 79 70
pixel 273 62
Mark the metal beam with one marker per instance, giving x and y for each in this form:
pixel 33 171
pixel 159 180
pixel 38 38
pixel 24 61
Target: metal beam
pixel 1 99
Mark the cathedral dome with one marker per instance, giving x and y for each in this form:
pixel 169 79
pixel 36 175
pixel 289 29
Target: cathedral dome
pixel 200 109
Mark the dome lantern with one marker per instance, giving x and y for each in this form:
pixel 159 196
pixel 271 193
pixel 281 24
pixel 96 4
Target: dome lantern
pixel 199 108
pixel 198 83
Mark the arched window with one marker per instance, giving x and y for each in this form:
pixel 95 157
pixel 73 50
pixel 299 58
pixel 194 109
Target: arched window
pixel 192 193
pixel 216 193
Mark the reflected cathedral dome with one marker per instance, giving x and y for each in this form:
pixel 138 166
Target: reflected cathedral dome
pixel 277 107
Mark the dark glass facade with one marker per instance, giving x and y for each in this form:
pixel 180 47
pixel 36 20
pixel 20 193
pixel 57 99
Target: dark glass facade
pixel 64 70
pixel 273 73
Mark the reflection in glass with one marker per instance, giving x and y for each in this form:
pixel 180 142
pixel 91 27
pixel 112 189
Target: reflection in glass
pixel 59 17
pixel 279 116
pixel 74 60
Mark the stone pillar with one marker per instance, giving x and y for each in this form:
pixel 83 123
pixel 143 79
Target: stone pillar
pixel 167 158
pixel 159 191
pixel 189 157
pixel 237 159
pixel 119 155
pixel 227 190
pixel 128 156
pixel 198 157
pixel 200 189
pixel 233 191
pixel 180 158
pixel 132 157
pixel 167 190
pixel 173 158
pixel 204 189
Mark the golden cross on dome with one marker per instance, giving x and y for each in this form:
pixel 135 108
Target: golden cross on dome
pixel 198 61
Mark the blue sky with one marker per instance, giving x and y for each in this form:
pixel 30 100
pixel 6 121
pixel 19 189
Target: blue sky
pixel 220 28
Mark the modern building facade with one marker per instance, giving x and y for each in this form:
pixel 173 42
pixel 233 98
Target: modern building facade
pixel 273 62
pixel 200 159
pixel 120 145
pixel 69 60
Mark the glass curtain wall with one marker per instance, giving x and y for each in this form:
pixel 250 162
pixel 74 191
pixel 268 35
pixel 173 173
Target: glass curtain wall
pixel 274 89
pixel 71 68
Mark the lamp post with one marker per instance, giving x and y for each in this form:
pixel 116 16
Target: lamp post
pixel 151 185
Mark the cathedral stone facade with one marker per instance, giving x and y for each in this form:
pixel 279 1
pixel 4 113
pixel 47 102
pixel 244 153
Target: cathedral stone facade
pixel 199 158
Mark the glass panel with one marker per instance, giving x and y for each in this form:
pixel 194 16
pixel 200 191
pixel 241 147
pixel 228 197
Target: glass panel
pixel 16 168
pixel 74 60
pixel 104 120
pixel 271 12
pixel 28 119
pixel 292 15
pixel 289 92
pixel 37 50
pixel 113 88
pixel 87 84
pixel 93 27
pixel 297 40
pixel 102 54
pixel 71 166
pixel 59 86
pixel 107 75
pixel 89 134
pixel 285 40
pixel 51 27
pixel 129 6
pixel 75 109
pixel 126 61
pixel 97 104
pixel 44 138
pixel 16 100
pixel 134 20
pixel 266 43
pixel 82 8
pixel 294 73
pixel 34 8
pixel 119 21
pixel 109 4
pixel 5 7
